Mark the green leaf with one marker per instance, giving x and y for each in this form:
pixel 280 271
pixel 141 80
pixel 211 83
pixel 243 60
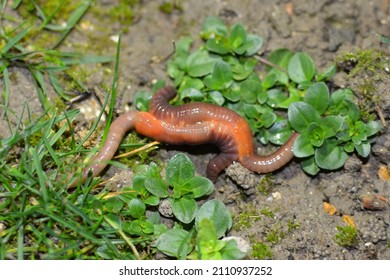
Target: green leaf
pixel 330 156
pixel 142 99
pixel 231 251
pixel 200 63
pixel 175 243
pixel 301 114
pixel 233 93
pixel 189 82
pixel 309 166
pixel 241 69
pixel 237 36
pixel 280 57
pixel 303 147
pixel 199 186
pixel 315 134
pixel 279 132
pixel 152 200
pixel 275 97
pixel 372 128
pixel 184 209
pixel 363 149
pixel 301 68
pixel 217 97
pixel 157 187
pixel 331 125
pixel 317 95
pixel 113 205
pixel 213 27
pixel 114 221
pixel 220 78
pixel 192 93
pixel 179 170
pixel 249 91
pixel 253 44
pixel 327 74
pixel 218 46
pixel 215 211
pixel 133 227
pixel 136 208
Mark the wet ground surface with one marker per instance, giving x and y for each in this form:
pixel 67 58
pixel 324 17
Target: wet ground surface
pixel 287 213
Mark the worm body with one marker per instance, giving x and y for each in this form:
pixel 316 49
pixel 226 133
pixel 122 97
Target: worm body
pixel 193 124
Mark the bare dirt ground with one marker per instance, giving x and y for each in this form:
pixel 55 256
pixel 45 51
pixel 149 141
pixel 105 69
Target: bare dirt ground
pixel 292 210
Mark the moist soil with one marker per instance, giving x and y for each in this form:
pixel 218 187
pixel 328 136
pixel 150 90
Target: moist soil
pixel 284 210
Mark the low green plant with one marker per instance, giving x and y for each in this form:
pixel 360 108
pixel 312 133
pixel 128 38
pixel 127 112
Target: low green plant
pixel 224 71
pixel 347 236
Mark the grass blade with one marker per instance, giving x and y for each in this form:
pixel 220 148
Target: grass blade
pixel 72 21
pixel 14 40
pixel 113 89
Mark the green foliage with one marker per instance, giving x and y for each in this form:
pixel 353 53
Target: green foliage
pixel 223 71
pixel 210 247
pixel 347 236
pixel 181 188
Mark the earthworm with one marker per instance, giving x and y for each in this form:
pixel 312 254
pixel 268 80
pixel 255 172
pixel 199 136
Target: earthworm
pixel 193 124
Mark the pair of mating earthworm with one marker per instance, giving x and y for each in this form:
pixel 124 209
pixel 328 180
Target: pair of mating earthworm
pixel 193 124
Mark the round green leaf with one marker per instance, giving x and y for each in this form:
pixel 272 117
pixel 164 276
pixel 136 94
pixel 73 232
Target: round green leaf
pixel 217 97
pixel 300 68
pixel 237 36
pixel 217 46
pixel 280 57
pixel 136 208
pixel 330 156
pixel 175 243
pixel 199 186
pixel 316 134
pixel 317 95
pixel 279 132
pixel 363 149
pixel 133 227
pixel 249 91
pixel 184 209
pixel 372 128
pixel 302 147
pixel 253 44
pixel 331 125
pixel 220 78
pixel 113 205
pixel 301 114
pixel 215 211
pixel 213 27
pixel 191 93
pixel 179 170
pixel 309 166
pixel 275 98
pixel 157 187
pixel 200 63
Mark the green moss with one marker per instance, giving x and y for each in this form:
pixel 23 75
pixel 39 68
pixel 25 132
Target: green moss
pixel 267 212
pixel 347 236
pixel 265 185
pixel 261 251
pixel 169 6
pixel 276 235
pixel 366 69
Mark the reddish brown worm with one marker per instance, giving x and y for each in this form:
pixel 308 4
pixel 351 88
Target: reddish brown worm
pixel 193 124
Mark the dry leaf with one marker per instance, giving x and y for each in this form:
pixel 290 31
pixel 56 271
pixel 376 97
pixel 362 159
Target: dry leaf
pixel 349 220
pixel 383 173
pixel 329 208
